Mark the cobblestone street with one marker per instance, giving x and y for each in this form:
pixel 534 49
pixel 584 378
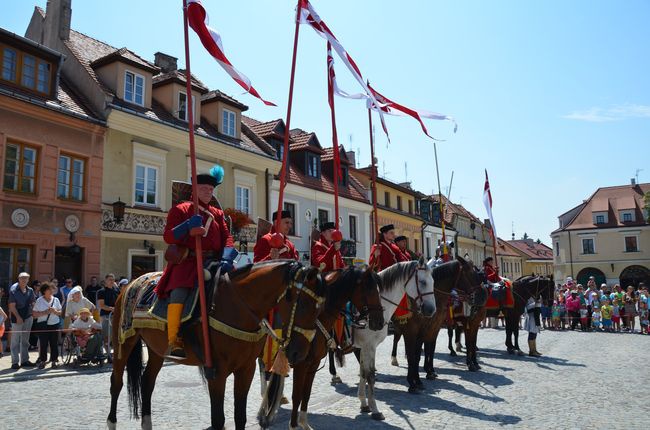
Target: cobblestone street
pixel 583 381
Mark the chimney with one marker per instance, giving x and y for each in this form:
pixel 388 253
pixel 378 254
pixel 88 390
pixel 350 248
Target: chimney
pixel 633 181
pixel 352 157
pixel 58 15
pixel 167 63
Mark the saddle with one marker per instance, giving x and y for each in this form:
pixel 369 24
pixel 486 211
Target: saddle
pixel 499 294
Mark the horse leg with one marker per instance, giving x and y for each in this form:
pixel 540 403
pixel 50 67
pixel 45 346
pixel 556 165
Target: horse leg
pixel 474 327
pixel 410 345
pixel 332 365
pixel 450 335
pixel 299 376
pixel 154 364
pixel 393 356
pixel 306 394
pixel 370 375
pixel 515 332
pixel 416 367
pixel 361 392
pixel 263 380
pixel 243 380
pixel 429 348
pixel 469 346
pixel 119 364
pixel 217 390
pixel 509 346
pixel 459 331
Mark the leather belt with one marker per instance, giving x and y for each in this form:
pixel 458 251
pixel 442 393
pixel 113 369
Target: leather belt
pixel 207 255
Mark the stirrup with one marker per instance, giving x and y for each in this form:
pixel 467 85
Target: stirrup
pixel 358 324
pixel 175 350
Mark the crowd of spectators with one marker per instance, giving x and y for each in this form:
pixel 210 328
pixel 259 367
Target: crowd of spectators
pixel 36 315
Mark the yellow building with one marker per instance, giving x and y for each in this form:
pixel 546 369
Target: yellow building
pixel 396 204
pixel 537 257
pixel 147 145
pixel 509 260
pixel 606 236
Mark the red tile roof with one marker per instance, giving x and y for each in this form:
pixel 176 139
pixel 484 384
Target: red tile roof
pixel 303 140
pixel 87 49
pixel 532 249
pixel 504 250
pixel 127 56
pixel 273 128
pixel 610 200
pixel 178 76
pixel 354 190
pixel 218 95
pixel 328 155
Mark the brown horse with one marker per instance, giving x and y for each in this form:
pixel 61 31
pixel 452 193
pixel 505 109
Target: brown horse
pixel 239 303
pixel 359 286
pixel 459 275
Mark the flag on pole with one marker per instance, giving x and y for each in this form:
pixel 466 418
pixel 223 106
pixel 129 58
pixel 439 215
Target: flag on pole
pixel 331 89
pixel 487 201
pixel 199 21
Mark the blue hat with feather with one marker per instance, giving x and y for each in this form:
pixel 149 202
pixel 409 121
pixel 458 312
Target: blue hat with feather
pixel 214 176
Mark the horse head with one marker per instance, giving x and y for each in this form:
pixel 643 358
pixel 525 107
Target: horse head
pixel 366 298
pixel 470 281
pixel 299 310
pixel 419 287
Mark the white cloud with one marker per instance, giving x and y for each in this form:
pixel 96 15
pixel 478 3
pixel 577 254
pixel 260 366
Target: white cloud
pixel 615 113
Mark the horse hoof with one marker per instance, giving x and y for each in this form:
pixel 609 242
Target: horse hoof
pixel 146 422
pixel 110 425
pixel 420 387
pixel 336 380
pixel 520 353
pixel 414 390
pixel 453 353
pixel 511 351
pixel 365 409
pixel 431 376
pixel 378 416
pixel 393 361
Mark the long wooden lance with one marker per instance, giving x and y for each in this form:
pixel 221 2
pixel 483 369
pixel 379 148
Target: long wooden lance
pixel 285 156
pixel 373 179
pixel 445 254
pixel 207 351
pixel 335 140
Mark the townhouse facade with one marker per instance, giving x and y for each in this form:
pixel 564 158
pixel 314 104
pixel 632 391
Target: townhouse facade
pixel 146 111
pixel 51 151
pixel 537 258
pixel 510 262
pixel 606 236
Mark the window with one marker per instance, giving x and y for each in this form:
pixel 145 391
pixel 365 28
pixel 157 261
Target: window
pixel 291 207
pixel 21 164
pixel 146 185
pixel 386 199
pixel 399 203
pixel 600 219
pixel 343 179
pixel 280 151
pixel 631 244
pixel 134 88
pixel 588 246
pixel 29 72
pixel 352 221
pixel 70 180
pixel 141 264
pixel 428 242
pixel 242 199
pixel 228 123
pixel 182 106
pixel 627 217
pixel 416 245
pixel 323 216
pixel 9 64
pixel 13 260
pixel 410 206
pixel 313 166
pixel 43 78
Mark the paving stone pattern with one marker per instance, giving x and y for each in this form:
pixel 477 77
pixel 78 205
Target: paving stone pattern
pixel 583 381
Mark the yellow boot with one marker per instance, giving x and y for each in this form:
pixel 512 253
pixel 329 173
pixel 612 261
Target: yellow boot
pixel 174 311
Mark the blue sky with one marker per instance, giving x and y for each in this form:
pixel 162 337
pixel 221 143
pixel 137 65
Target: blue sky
pixel 552 97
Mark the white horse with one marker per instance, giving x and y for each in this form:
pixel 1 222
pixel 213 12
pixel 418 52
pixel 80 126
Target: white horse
pixel 412 277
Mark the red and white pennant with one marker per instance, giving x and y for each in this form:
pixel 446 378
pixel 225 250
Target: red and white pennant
pixel 199 21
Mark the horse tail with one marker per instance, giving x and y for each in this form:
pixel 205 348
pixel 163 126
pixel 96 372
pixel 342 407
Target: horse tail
pixel 271 400
pixel 134 379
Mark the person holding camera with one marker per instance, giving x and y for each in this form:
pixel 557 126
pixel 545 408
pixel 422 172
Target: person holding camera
pixel 47 311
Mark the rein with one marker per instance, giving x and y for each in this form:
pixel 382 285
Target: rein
pixel 420 296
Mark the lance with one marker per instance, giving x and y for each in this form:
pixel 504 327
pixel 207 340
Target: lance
pixel 207 351
pixel 445 255
pixel 335 141
pixel 373 179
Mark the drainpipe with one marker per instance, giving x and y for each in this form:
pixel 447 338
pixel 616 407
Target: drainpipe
pixel 267 193
pixel 570 252
pixel 424 225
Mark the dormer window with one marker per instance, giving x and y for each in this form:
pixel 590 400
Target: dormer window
pixel 343 180
pixel 134 88
pixel 600 219
pixel 182 106
pixel 9 64
pixel 313 166
pixel 228 123
pixel 26 70
pixel 628 217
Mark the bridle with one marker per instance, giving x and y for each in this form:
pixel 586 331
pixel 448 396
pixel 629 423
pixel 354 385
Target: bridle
pixel 419 299
pixel 366 309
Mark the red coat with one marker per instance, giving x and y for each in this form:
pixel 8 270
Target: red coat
pixel 389 255
pixel 183 275
pixel 262 249
pixel 491 274
pixel 325 256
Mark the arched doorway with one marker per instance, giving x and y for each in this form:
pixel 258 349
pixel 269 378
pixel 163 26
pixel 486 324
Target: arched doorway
pixel 584 274
pixel 632 275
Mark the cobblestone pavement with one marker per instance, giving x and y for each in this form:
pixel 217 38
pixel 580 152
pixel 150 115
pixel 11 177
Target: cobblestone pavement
pixel 583 381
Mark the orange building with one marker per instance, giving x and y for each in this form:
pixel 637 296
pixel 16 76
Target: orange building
pixel 51 149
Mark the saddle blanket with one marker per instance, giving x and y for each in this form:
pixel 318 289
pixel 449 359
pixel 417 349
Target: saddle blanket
pixel 402 313
pixel 143 309
pixel 505 300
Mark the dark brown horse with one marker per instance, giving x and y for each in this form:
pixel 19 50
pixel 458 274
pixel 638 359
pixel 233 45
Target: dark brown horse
pixel 459 275
pixel 240 302
pixel 361 287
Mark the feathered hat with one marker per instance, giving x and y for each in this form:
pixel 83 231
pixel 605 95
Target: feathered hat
pixel 214 176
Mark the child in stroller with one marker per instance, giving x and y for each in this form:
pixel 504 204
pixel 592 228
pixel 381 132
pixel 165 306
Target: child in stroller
pixel 88 335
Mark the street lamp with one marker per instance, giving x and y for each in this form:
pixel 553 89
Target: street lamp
pixel 118 211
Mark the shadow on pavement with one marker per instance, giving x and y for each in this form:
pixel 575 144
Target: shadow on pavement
pixel 486 353
pixel 480 377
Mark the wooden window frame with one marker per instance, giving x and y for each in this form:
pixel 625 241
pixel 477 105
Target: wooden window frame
pixel 14 262
pixel 399 202
pixel 17 82
pixel 20 144
pixel 250 193
pixel 144 87
pixel 158 185
pixel 387 199
pixel 225 127
pixel 356 227
pixel 85 177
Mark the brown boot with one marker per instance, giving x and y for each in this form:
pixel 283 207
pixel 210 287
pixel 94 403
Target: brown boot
pixel 531 348
pixel 175 348
pixel 535 351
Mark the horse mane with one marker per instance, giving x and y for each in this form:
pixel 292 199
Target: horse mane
pixel 347 278
pixel 396 274
pixel 445 270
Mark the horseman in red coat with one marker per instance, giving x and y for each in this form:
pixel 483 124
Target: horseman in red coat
pixel 385 253
pixel 491 272
pixel 181 229
pixel 274 247
pixel 326 252
pixel 401 243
